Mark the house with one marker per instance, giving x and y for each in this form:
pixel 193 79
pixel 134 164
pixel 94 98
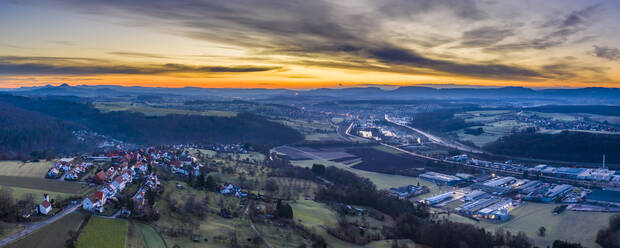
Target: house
pixel 45 207
pixel 100 177
pixel 92 203
pixel 119 183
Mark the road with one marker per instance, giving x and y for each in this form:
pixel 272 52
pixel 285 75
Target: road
pixel 436 139
pixel 38 225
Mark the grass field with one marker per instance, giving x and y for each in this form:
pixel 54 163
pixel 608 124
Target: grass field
pixel 103 233
pixel 317 215
pixel 570 225
pixel 150 236
pixel 134 236
pixel 44 184
pixel 52 235
pixel 28 169
pixel 18 193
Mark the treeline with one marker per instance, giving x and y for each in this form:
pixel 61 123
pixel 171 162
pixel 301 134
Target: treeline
pixel 588 109
pixel 563 146
pixel 34 124
pixel 442 120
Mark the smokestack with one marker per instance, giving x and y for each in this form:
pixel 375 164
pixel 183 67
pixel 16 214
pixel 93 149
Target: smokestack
pixel 604 161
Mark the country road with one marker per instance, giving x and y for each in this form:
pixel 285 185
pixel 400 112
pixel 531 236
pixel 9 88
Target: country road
pixel 36 226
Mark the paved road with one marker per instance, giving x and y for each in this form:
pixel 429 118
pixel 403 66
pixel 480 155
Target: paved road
pixel 36 226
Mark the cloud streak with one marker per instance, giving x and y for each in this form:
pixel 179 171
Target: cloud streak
pixel 41 66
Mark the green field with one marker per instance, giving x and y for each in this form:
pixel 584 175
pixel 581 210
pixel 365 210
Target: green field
pixel 52 235
pixel 570 225
pixel 150 236
pixel 43 184
pixel 28 169
pixel 103 233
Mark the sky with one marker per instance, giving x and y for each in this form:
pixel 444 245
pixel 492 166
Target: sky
pixel 310 43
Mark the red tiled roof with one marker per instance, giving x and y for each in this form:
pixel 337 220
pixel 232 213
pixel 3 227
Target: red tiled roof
pixel 101 175
pixel 99 195
pixel 46 204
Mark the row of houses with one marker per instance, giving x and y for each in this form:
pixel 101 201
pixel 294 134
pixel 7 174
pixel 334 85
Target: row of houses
pixel 77 170
pixel 59 168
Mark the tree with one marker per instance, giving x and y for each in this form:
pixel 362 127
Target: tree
pixel 541 231
pixel 271 185
pixel 318 169
pixel 211 182
pixel 284 211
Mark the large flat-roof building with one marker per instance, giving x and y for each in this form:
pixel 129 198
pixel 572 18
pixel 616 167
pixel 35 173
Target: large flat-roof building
pixel 441 179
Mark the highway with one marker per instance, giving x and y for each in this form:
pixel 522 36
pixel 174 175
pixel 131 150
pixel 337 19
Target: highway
pixel 438 140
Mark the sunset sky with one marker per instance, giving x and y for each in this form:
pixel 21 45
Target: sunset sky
pixel 310 43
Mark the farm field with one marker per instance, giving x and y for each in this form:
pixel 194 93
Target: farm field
pixel 382 180
pixel 103 233
pixel 150 236
pixel 28 169
pixel 44 184
pixel 570 225
pixel 52 235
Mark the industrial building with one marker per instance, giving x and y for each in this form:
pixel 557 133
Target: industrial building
pixel 556 192
pixel 496 211
pixel 433 200
pixel 440 179
pixel 604 197
pixel 498 185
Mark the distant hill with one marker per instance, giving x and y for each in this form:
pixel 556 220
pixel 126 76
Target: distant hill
pixel 49 122
pixel 593 95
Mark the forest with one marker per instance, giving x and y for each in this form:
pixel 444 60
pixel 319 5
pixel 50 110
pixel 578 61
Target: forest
pixel 563 146
pixel 45 124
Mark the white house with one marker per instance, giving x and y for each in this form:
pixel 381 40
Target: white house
pixel 45 207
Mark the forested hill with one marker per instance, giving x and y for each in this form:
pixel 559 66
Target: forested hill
pixel 49 120
pixel 563 146
pixel 28 134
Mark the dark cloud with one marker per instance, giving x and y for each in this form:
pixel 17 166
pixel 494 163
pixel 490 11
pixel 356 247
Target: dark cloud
pixel 67 67
pixel 485 36
pixel 393 55
pixel 606 52
pixel 139 55
pixel 557 31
